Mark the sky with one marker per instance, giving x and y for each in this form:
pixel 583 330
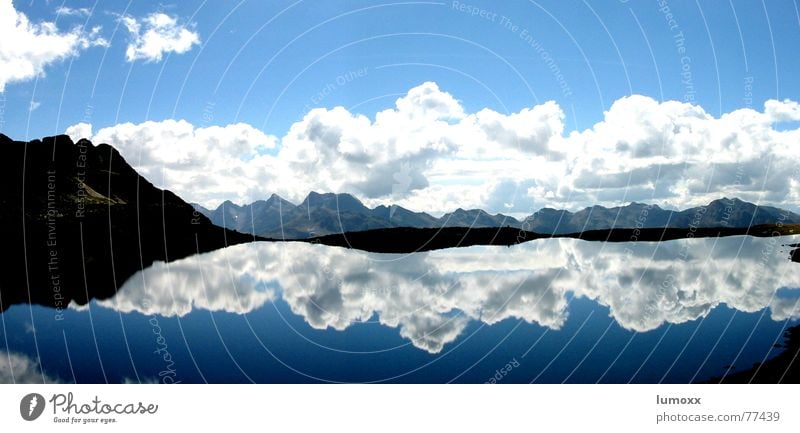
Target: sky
pixel 506 106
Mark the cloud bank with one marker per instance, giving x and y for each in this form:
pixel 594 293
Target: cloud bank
pixel 429 154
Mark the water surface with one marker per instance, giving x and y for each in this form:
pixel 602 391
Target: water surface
pixel 555 310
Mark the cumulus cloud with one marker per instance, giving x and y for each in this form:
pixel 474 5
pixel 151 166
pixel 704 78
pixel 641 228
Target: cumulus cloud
pixel 27 48
pixel 428 153
pixel 79 130
pixel 218 162
pixel 782 111
pixel 530 130
pixel 427 101
pixel 19 368
pixel 431 297
pixel 157 34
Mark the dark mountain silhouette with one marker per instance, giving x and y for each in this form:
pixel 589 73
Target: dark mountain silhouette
pixel 77 221
pixel 324 214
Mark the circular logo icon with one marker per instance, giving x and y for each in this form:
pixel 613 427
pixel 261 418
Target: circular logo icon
pixel 31 406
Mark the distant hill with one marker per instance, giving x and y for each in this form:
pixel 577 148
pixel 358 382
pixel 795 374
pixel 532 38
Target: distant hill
pixel 77 221
pixel 324 214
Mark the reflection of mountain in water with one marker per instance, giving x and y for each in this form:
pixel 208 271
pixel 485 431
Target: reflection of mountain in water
pixel 432 296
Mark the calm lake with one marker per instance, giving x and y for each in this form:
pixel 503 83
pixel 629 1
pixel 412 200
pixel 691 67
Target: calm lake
pixel 548 311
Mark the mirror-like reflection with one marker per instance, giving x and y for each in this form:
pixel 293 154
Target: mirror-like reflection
pixel 431 297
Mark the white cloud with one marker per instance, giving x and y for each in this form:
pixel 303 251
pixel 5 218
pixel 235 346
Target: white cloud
pixel 529 130
pixel 431 297
pixel 27 48
pixel 782 111
pixel 427 101
pixel 157 34
pixel 19 368
pixel 79 130
pixel 68 11
pixel 429 154
pixel 34 105
pixel 218 162
pixel 202 282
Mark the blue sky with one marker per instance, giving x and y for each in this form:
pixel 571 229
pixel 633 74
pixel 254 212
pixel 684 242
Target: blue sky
pixel 599 47
pixel 266 64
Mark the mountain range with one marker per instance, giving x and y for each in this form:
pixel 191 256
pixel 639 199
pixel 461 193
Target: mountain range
pixel 329 213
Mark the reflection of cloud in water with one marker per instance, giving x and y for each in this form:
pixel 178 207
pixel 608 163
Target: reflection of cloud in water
pixel 226 280
pixel 431 296
pixel 19 368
